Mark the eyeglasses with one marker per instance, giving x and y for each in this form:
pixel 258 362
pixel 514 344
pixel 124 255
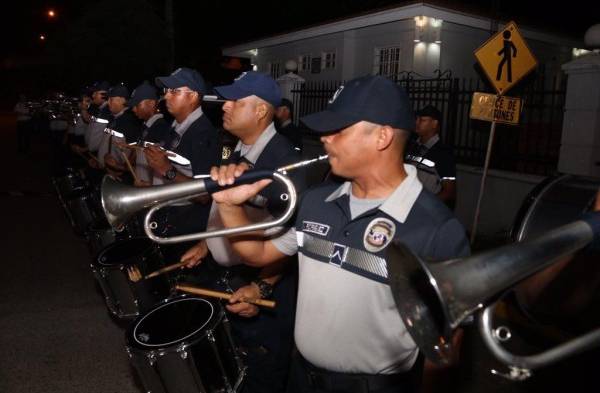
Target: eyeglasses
pixel 177 91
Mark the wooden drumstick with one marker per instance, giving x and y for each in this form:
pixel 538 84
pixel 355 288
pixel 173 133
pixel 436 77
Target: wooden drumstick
pixel 222 295
pixel 166 269
pixel 135 178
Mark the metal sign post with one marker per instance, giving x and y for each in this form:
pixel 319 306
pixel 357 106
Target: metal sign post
pixel 483 177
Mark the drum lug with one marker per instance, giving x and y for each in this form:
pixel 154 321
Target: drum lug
pixel 128 350
pixel 151 358
pixel 182 350
pixel 210 336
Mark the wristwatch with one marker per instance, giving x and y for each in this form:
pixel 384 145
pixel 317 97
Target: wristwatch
pixel 266 289
pixel 171 173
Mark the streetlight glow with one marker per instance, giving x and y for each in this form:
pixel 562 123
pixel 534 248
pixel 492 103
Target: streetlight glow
pixel 42 37
pixel 51 13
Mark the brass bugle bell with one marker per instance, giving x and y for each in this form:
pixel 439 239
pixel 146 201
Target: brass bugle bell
pixel 434 298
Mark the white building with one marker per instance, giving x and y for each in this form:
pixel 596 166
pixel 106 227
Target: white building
pixel 419 38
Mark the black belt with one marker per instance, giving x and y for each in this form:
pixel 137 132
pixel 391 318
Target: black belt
pixel 359 383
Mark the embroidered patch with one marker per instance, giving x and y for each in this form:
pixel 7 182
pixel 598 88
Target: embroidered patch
pixel 315 227
pixel 338 256
pixel 379 234
pixel 226 152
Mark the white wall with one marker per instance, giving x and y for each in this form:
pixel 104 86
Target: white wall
pixel 504 193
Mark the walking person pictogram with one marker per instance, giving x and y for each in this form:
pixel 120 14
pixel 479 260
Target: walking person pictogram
pixel 507 50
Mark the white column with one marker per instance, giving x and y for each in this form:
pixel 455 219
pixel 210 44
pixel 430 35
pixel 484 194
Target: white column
pixel 580 143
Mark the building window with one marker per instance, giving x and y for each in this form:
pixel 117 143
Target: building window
pixel 387 61
pixel 275 69
pixel 328 60
pixel 304 62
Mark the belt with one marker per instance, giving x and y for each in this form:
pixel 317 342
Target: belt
pixel 358 383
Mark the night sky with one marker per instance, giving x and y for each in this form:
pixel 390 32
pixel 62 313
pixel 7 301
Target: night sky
pixel 126 41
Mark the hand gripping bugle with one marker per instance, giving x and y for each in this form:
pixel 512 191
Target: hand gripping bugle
pixel 120 202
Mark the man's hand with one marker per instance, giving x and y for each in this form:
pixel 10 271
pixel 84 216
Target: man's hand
pixel 110 160
pixel 226 175
pixel 237 304
pixel 94 163
pixel 195 254
pixel 141 183
pixel 157 160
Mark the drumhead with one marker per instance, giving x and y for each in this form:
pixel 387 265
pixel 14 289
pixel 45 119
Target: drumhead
pixel 124 252
pixel 175 321
pixel 554 202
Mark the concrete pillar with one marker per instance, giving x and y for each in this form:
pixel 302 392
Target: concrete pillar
pixel 348 60
pixel 580 143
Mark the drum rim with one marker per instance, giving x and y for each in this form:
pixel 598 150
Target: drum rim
pixel 137 323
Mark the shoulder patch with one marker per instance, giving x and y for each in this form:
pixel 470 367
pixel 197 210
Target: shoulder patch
pixel 378 234
pixel 226 152
pixel 315 227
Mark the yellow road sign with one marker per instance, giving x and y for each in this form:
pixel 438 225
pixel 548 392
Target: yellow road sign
pixel 500 109
pixel 505 58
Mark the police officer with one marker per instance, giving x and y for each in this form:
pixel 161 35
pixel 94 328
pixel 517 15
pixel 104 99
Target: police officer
pixel 348 332
pixel 265 337
pixel 284 124
pixel 97 116
pixel 144 103
pixel 433 159
pixel 123 128
pixel 193 137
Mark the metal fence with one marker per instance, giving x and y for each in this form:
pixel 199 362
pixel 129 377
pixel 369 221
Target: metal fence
pixel 530 147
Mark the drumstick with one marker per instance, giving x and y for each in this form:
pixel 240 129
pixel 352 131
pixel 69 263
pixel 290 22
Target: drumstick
pixel 137 147
pixel 222 295
pixel 135 178
pixel 87 155
pixel 166 269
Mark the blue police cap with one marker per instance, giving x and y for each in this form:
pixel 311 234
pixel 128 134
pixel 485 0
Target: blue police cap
pixel 183 77
pixel 252 83
pixel 145 91
pixel 119 91
pixel 369 98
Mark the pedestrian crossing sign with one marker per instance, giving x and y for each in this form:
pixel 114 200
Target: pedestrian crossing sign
pixel 506 58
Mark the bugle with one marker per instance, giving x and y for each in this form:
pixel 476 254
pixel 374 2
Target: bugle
pixel 120 202
pixel 434 298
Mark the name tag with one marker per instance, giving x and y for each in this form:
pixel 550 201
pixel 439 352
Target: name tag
pixel 315 227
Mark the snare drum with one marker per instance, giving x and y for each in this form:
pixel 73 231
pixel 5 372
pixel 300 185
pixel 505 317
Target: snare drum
pixel 124 298
pixel 184 346
pixel 101 235
pixel 68 184
pixel 80 208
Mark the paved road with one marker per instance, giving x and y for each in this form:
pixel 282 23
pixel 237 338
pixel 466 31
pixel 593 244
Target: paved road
pixel 55 333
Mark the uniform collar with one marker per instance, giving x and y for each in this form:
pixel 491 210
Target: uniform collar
pixel 399 204
pixel 117 115
pixel 154 118
pixel 432 141
pixel 182 127
pixel 260 144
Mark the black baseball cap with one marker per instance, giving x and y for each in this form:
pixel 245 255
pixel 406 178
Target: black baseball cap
pixel 371 98
pixel 430 111
pixel 183 77
pixel 145 91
